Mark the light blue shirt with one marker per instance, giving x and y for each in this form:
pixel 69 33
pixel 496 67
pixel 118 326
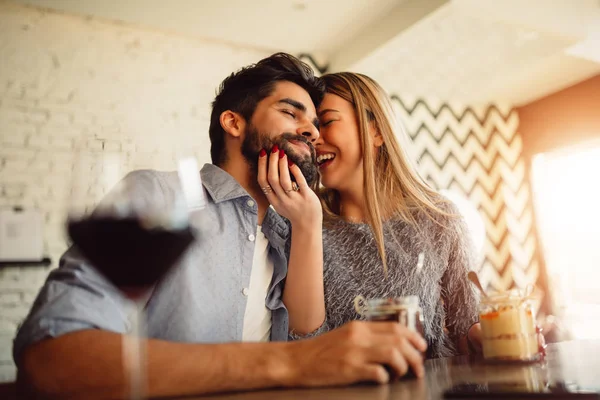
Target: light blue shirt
pixel 201 300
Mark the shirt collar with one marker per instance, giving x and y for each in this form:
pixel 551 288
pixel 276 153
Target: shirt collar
pixel 223 187
pixel 220 185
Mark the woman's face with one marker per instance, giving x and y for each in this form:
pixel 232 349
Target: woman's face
pixel 338 148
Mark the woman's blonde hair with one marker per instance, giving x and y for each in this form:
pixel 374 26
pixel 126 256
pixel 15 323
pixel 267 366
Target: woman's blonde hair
pixel 391 184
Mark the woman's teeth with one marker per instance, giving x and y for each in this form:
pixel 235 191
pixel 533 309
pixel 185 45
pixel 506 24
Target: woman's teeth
pixel 325 157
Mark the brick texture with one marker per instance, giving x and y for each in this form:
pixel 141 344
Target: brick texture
pixel 73 88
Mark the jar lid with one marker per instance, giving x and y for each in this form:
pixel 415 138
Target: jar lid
pixel 364 306
pixel 408 300
pixel 394 301
pixel 514 296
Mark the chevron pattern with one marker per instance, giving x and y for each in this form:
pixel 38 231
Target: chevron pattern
pixel 478 154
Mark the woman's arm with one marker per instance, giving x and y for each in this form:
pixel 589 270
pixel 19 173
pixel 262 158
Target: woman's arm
pixel 303 294
pixel 459 295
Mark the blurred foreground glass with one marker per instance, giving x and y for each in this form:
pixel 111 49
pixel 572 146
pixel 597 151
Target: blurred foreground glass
pixel 133 239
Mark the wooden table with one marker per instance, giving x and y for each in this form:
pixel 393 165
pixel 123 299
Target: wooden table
pixel 576 362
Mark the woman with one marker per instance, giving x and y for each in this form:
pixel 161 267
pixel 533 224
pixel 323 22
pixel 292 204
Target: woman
pixel 379 216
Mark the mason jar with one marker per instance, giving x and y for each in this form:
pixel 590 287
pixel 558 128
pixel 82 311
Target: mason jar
pixel 508 328
pixel 404 310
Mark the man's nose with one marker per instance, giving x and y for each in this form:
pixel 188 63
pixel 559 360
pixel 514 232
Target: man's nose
pixel 310 132
pixel 319 141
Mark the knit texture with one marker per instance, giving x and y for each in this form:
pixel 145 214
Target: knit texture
pixel 352 267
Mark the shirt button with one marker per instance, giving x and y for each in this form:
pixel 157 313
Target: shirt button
pixel 250 203
pixel 245 291
pixel 251 237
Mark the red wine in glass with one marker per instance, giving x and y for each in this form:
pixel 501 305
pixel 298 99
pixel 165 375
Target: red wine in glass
pixel 129 254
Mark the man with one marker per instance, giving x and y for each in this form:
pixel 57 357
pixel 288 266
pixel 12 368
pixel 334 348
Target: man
pixel 229 287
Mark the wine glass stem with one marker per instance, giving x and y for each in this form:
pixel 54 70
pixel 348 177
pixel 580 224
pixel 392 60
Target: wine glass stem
pixel 135 348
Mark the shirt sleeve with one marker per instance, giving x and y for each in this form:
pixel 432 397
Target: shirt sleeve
pixel 76 296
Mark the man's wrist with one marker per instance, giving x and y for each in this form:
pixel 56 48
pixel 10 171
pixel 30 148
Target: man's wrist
pixel 280 366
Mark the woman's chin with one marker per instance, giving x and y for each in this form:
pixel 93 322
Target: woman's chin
pixel 328 183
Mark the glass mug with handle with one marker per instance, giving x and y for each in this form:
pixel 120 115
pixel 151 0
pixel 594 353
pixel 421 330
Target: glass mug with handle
pixel 404 310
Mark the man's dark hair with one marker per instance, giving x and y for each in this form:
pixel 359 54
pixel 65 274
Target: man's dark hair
pixel 241 92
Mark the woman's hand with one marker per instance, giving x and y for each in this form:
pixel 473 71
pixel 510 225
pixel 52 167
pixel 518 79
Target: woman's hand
pixel 474 338
pixel 296 201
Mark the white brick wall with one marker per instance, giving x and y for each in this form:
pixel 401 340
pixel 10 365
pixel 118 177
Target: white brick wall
pixel 67 82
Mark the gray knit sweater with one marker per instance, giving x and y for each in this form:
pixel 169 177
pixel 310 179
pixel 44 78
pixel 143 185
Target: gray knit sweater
pixel 352 266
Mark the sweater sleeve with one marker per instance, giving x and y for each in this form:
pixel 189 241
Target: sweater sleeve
pixel 459 295
pixel 324 328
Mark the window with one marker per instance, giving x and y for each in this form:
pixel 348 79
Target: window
pixel 566 187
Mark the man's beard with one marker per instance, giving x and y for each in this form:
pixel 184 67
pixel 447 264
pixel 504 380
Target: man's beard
pixel 255 141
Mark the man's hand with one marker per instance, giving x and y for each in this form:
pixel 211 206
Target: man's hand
pixel 357 352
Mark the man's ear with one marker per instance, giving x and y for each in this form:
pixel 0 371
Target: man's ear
pixel 232 123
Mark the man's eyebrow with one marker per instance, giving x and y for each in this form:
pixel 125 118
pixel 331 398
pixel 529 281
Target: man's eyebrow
pixel 299 106
pixel 294 103
pixel 323 112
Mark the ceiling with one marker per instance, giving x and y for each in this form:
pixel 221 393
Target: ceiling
pixel 475 51
pixel 295 25
pixel 469 51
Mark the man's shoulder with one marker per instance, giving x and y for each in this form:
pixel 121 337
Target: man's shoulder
pixel 221 186
pixel 149 174
pixel 152 179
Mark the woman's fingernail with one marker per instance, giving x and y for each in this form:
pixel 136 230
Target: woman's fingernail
pixel 281 154
pixel 262 153
pixel 290 163
pixel 275 149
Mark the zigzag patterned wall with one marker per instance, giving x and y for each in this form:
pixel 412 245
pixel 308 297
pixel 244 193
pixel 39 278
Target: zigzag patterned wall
pixel 478 154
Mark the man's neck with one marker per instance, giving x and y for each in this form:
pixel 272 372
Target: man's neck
pixel 240 170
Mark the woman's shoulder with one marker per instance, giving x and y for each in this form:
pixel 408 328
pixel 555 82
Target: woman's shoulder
pixel 451 227
pixel 446 213
pixel 440 225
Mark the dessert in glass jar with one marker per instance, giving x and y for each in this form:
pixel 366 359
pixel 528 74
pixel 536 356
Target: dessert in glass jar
pixel 508 328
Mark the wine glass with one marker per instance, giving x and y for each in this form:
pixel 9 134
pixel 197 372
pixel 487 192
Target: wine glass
pixel 130 234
